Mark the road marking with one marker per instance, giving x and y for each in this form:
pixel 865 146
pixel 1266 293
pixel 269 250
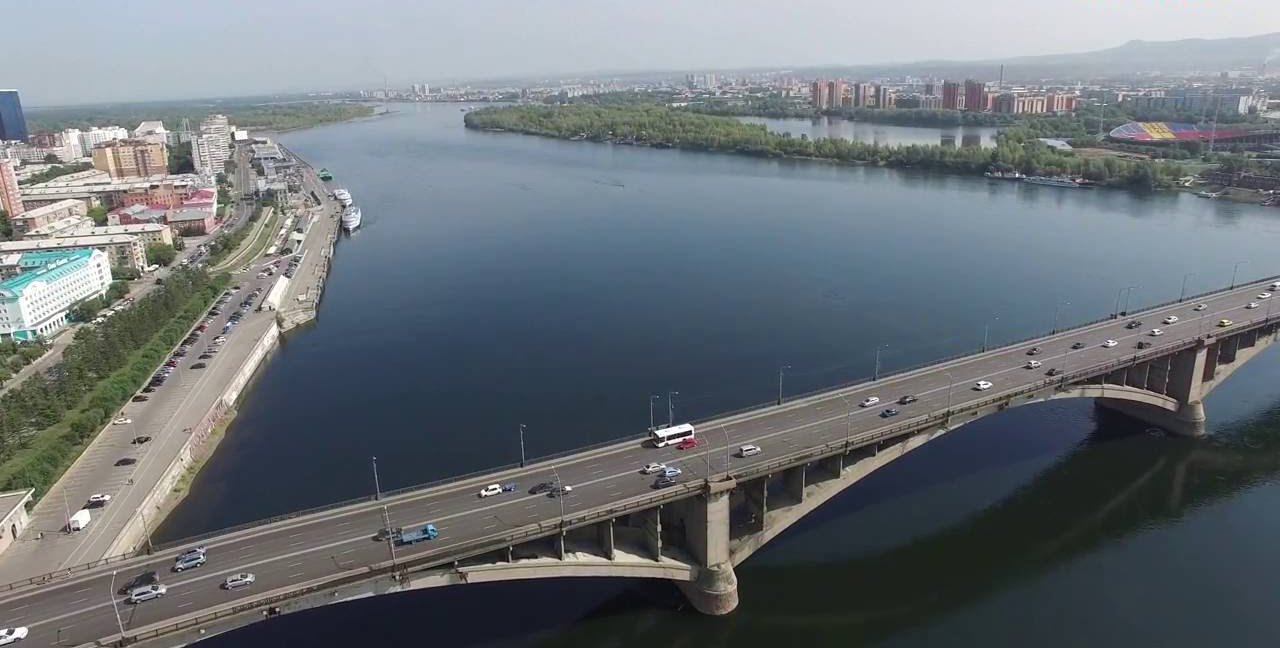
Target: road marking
pixel 296 575
pixel 491 526
pixel 187 603
pixel 343 524
pixel 294 564
pixel 80 600
pixel 83 590
pixel 346 552
pixel 23 607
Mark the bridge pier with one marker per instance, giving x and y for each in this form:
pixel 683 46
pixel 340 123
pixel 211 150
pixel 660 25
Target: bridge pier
pixel 1183 381
pixel 714 588
pixel 794 479
pixel 604 532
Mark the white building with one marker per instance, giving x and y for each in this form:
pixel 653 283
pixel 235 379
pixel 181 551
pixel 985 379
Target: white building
pixel 96 136
pixel 35 302
pixel 122 250
pixel 70 225
pixel 152 131
pixel 211 147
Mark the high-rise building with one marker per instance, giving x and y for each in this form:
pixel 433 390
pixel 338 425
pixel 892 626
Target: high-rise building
pixel 152 131
pixel 884 97
pixel 930 89
pixel 951 96
pixel 34 303
pixel 863 95
pixel 835 94
pixel 10 198
pixel 96 136
pixel 975 96
pixel 819 96
pixel 13 124
pixel 130 158
pixel 211 147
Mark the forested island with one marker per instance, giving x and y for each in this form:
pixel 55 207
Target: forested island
pixel 665 127
pixel 244 114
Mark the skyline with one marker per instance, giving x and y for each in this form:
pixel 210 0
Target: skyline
pixel 333 49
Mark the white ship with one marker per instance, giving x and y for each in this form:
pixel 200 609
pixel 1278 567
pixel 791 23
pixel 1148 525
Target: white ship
pixel 343 197
pixel 351 218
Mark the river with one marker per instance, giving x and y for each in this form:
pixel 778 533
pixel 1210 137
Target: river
pixel 882 134
pixel 503 279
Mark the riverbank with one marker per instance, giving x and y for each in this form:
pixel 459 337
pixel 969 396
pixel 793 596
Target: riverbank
pixel 662 127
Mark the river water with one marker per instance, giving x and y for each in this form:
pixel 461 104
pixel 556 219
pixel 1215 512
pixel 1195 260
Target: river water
pixel 882 134
pixel 502 279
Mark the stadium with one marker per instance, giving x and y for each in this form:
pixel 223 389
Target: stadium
pixel 1171 132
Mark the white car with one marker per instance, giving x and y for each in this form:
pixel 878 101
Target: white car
pixel 1156 333
pixel 1033 364
pixel 99 498
pixel 672 472
pixel 1264 296
pixel 871 400
pixel 1172 319
pixel 1109 343
pixel 12 635
pixel 748 450
pixel 236 581
pixel 982 385
pixel 1252 305
pixel 147 592
pixel 651 468
pixel 122 421
pixel 491 489
pixel 1200 307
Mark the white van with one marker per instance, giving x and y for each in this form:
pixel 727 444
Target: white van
pixel 1275 285
pixel 748 450
pixel 491 489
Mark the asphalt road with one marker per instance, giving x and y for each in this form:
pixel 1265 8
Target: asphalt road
pixel 80 609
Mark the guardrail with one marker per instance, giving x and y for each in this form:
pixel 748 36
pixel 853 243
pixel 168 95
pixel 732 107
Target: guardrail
pixel 902 429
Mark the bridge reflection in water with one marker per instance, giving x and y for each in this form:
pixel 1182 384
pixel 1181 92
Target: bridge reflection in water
pixel 1134 483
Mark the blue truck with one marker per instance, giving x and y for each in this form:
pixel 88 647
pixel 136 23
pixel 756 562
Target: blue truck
pixel 411 536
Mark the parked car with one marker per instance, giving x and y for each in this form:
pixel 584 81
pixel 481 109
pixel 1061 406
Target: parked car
pixel 139 440
pixel 98 499
pixel 122 421
pixel 139 399
pixel 127 461
pixel 199 365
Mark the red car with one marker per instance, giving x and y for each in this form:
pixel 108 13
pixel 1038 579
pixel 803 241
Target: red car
pixel 691 442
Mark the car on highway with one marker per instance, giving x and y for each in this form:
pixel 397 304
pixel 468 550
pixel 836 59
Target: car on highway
pixel 236 581
pixel 1252 305
pixel 664 481
pixel 1225 322
pixel 687 444
pixel 672 472
pixel 387 533
pixel 648 469
pixel 147 592
pixel 191 561
pixel 749 450
pixel 908 399
pixel 139 399
pixel 98 499
pixel 1172 319
pixel 1264 295
pixel 982 385
pixel 1053 372
pixel 139 440
pixel 1109 343
pixel 1155 332
pixel 491 490
pixel 1133 324
pixel 1033 364
pixel 1078 345
pixel 1143 344
pixel 127 461
pixel 889 412
pixel 1033 351
pixel 122 421
pixel 199 365
pixel 542 487
pixel 12 635
pixel 141 580
pixel 1200 307
pixel 188 553
pixel 869 401
pixel 559 491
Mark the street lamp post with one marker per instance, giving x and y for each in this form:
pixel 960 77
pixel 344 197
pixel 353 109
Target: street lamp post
pixel 671 399
pixel 559 496
pixel 781 368
pixel 652 399
pixel 1128 292
pixel 726 452
pixel 377 487
pixel 391 542
pixel 986 331
pixel 875 372
pixel 848 421
pixel 1234 269
pixel 111 593
pixel 951 381
pixel 1183 293
pixel 1057 310
pixel 522 436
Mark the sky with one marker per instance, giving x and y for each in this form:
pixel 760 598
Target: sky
pixel 58 52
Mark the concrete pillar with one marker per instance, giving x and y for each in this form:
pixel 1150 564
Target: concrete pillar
pixel 559 539
pixel 714 589
pixel 1158 374
pixel 834 465
pixel 1188 421
pixel 757 496
pixel 510 553
pixel 1117 377
pixel 1185 375
pixel 793 479
pixel 604 531
pixel 651 523
pixel 1137 375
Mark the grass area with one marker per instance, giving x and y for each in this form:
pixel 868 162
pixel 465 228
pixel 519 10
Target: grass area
pixel 250 250
pixel 58 446
pixel 206 451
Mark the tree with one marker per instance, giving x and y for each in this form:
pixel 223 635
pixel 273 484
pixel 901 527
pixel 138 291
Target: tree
pixel 179 243
pixel 6 227
pixel 161 254
pixel 180 158
pixel 50 158
pixel 125 273
pixel 99 215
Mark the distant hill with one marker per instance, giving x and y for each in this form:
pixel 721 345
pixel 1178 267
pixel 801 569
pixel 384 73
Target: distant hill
pixel 1180 56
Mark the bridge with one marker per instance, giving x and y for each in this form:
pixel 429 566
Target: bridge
pixel 615 524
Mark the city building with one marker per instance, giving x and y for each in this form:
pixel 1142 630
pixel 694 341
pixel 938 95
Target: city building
pixel 152 131
pixel 952 98
pixel 96 136
pixel 148 233
pixel 885 97
pixel 137 215
pixel 13 515
pixel 73 225
pixel 975 96
pixel 34 303
pixel 131 158
pixel 209 154
pixel 10 197
pixel 819 95
pixel 122 250
pixel 96 187
pixel 13 124
pixel 863 95
pixel 192 221
pixel 38 217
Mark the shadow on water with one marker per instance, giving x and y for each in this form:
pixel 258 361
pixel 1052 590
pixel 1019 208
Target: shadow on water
pixel 1114 484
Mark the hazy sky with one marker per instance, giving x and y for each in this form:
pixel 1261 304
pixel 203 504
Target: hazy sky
pixel 59 52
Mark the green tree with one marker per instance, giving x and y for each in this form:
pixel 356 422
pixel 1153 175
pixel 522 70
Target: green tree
pixel 6 227
pixel 99 215
pixel 161 254
pixel 125 273
pixel 50 158
pixel 180 158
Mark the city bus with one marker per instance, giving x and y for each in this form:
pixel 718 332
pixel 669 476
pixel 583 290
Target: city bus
pixel 664 437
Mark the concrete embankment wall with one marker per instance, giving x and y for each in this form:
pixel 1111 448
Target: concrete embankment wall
pixel 157 503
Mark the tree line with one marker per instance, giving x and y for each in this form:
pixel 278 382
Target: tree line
pixel 47 419
pixel 653 125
